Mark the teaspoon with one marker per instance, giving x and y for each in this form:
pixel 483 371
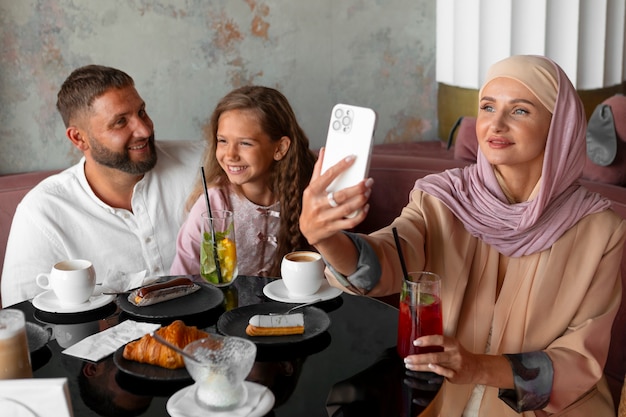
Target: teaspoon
pixel 172 346
pixel 297 307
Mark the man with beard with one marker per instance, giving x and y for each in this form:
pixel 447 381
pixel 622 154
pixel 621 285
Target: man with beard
pixel 120 207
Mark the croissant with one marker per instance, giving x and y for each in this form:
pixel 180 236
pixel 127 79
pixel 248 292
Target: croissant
pixel 148 350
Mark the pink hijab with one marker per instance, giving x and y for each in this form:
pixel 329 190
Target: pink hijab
pixel 474 195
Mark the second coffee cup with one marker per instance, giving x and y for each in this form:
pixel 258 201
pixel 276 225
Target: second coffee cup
pixel 72 281
pixel 302 272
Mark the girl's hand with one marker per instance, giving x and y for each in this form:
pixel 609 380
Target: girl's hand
pixel 319 220
pixel 455 363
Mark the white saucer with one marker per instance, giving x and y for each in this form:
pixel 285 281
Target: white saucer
pixel 47 301
pixel 184 404
pixel 277 291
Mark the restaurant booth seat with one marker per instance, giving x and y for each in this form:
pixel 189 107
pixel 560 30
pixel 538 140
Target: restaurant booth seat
pixel 394 167
pixel 13 188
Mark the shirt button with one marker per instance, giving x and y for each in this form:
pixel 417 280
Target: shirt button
pixel 148 239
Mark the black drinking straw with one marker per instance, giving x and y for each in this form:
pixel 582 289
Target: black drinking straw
pixel 397 239
pixel 216 258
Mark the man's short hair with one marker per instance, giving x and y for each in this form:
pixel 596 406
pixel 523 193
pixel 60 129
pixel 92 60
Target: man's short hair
pixel 84 85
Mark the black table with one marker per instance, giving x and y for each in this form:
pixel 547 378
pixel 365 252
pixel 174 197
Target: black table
pixel 351 369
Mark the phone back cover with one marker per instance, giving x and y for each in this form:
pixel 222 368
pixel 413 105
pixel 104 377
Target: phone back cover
pixel 350 132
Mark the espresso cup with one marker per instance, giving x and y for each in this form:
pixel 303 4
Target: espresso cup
pixel 72 281
pixel 302 272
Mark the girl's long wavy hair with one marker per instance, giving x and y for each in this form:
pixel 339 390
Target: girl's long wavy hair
pixel 289 176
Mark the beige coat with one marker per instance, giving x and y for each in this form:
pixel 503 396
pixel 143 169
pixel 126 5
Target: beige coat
pixel 562 300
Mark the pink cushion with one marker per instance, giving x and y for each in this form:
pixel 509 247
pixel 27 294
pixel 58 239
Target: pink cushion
pixel 466 143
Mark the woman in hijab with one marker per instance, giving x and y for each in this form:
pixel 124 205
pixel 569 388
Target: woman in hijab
pixel 529 258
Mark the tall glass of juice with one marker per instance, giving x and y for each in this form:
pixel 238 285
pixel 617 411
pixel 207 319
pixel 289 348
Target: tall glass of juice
pixel 420 312
pixel 218 248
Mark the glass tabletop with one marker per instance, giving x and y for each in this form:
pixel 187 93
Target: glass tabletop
pixel 350 367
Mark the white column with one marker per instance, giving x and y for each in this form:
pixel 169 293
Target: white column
pixel 585 37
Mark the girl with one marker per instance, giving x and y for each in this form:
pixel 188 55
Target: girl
pixel 257 165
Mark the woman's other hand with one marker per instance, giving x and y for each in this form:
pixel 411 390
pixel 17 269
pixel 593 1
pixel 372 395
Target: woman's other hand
pixel 323 216
pixel 460 366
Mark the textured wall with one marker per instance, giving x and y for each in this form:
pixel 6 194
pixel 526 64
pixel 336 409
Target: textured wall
pixel 186 54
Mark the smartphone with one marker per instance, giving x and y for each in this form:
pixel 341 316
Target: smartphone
pixel 350 132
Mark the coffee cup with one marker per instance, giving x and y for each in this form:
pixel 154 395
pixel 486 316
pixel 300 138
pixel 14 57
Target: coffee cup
pixel 302 272
pixel 72 281
pixel 14 352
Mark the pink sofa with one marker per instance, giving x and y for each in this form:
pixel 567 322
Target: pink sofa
pixel 394 169
pixel 12 188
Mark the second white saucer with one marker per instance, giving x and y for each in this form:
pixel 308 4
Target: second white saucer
pixel 277 291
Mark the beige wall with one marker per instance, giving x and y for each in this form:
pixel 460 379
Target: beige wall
pixel 185 55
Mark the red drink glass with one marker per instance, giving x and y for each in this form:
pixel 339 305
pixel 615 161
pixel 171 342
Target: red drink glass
pixel 420 312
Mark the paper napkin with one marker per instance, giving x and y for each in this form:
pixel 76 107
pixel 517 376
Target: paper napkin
pixel 101 345
pixel 51 394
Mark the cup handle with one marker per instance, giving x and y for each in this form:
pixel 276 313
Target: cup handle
pixel 49 328
pixel 43 280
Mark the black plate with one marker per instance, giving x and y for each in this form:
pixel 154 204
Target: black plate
pixel 147 371
pixel 206 298
pixel 75 318
pixel 234 323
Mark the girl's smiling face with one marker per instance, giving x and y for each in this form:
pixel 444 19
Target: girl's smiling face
pixel 512 126
pixel 246 153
